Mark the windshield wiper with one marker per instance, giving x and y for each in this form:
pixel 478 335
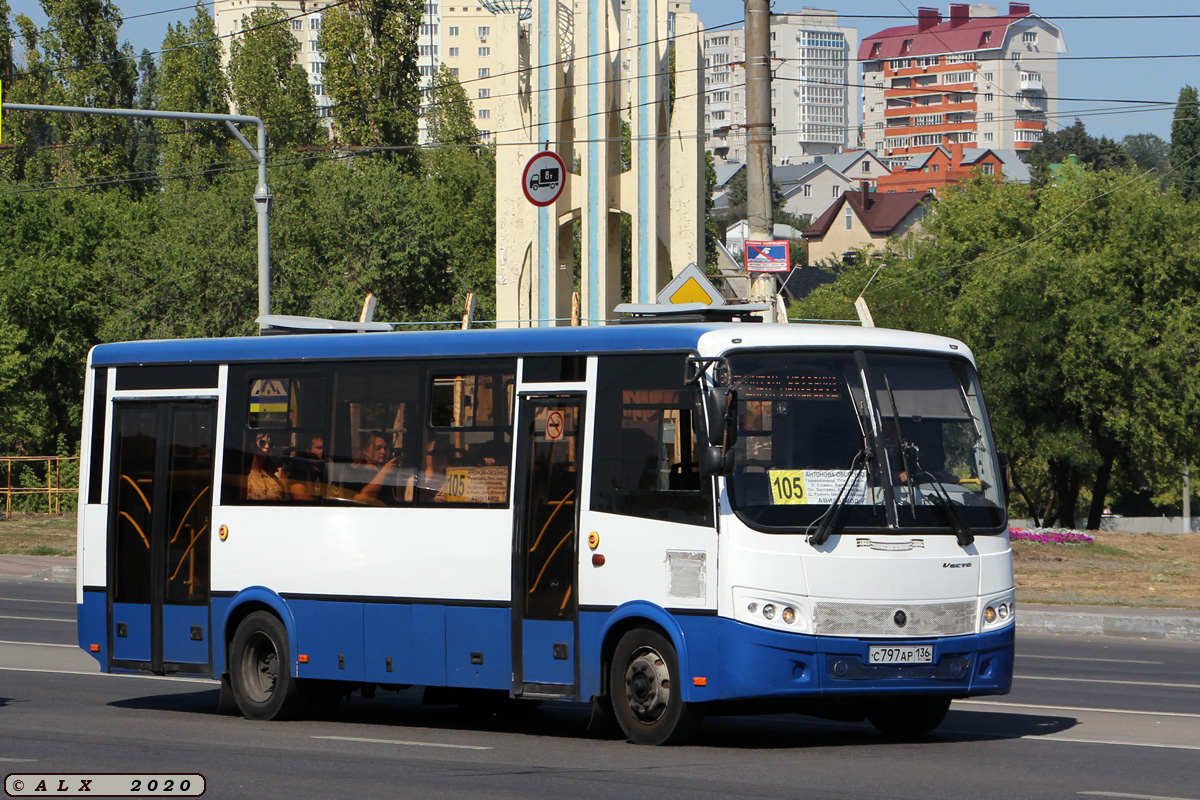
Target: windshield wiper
pixel 902 445
pixel 943 502
pixel 829 519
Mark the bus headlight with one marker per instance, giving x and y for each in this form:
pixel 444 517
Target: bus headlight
pixel 769 611
pixel 789 615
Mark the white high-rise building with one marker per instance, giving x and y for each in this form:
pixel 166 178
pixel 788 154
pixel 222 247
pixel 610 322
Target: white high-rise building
pixel 810 92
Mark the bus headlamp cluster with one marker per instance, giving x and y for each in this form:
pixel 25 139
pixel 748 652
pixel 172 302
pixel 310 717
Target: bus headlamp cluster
pixel 769 611
pixel 999 611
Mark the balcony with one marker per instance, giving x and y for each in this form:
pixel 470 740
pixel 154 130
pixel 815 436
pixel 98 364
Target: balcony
pixel 1032 81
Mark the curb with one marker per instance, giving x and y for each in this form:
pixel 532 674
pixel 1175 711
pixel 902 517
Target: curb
pixel 1130 623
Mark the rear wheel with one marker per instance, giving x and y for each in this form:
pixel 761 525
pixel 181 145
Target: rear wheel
pixel 259 670
pixel 646 693
pixel 908 717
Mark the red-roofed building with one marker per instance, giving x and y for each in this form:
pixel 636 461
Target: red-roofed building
pixel 861 218
pixel 939 169
pixel 977 78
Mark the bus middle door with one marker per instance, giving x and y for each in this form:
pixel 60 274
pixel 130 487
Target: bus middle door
pixel 545 597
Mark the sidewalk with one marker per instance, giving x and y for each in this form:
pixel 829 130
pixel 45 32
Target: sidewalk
pixel 1139 623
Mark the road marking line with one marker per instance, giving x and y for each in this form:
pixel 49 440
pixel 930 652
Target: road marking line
pixel 42 644
pixel 406 744
pixel 16 760
pixel 42 619
pixel 28 600
pixel 1136 796
pixel 1100 680
pixel 111 675
pixel 1052 738
pixel 1101 660
pixel 998 704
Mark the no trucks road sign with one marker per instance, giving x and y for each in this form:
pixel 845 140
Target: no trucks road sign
pixel 544 177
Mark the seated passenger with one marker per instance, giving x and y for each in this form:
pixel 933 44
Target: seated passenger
pixel 372 472
pixel 431 483
pixel 306 471
pixel 263 481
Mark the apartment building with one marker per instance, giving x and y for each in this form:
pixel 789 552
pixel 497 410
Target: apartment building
pixel 810 92
pixel 977 78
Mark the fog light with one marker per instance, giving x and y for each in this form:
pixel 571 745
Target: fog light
pixel 769 611
pixel 1003 611
pixel 789 615
pixel 989 614
pixel 752 608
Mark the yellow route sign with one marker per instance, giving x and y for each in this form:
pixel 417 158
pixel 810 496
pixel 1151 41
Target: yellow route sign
pixel 691 285
pixel 787 487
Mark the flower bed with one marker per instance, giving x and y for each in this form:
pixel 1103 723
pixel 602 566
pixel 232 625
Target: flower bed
pixel 1049 536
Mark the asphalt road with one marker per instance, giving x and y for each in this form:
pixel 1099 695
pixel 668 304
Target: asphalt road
pixel 1088 718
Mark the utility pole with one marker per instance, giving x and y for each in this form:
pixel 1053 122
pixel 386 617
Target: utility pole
pixel 262 192
pixel 759 184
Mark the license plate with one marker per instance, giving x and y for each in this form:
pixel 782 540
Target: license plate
pixel 917 654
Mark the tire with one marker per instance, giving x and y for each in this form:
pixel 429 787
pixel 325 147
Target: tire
pixel 908 717
pixel 259 670
pixel 644 687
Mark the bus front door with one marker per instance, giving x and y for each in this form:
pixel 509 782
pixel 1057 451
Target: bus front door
pixel 161 506
pixel 545 600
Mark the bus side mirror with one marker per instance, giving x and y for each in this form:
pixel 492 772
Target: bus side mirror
pixel 716 429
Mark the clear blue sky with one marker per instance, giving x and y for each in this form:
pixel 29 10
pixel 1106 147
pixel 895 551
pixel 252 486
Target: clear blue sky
pixel 1099 81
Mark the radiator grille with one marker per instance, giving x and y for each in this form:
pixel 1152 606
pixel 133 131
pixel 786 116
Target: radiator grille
pixel 873 619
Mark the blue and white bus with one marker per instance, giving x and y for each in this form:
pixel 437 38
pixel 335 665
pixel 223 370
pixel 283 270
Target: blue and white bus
pixel 666 520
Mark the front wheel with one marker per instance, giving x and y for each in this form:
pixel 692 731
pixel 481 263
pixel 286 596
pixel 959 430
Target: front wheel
pixel 908 717
pixel 646 693
pixel 259 669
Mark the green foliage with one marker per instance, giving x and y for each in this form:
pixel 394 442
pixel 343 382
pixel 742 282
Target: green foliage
pixel 372 72
pixel 1185 144
pixel 145 144
pixel 1079 300
pixel 1056 146
pixel 267 82
pixel 89 69
pixel 461 187
pixel 192 80
pixel 712 227
pixel 1150 152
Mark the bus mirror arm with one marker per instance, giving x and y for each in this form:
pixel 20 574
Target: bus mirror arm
pixel 1005 466
pixel 716 413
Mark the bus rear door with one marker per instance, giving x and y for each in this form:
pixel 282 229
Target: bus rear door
pixel 159 533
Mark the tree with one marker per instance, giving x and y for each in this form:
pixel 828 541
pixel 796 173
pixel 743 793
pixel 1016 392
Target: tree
pixel 1055 147
pixel 372 72
pixel 267 82
pixel 146 142
pixel 1149 152
pixel 461 181
pixel 712 228
pixel 89 68
pixel 192 80
pixel 1079 301
pixel 1185 145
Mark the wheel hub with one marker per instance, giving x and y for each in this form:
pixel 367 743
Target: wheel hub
pixel 647 685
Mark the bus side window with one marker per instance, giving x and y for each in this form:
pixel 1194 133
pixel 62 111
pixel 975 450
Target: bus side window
pixel 467 444
pixel 645 461
pixel 275 421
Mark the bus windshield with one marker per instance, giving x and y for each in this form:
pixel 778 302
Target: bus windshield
pixel 888 441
